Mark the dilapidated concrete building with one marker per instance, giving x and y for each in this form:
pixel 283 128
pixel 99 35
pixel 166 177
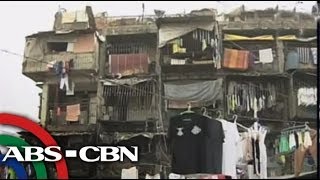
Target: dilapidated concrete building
pixel 118 80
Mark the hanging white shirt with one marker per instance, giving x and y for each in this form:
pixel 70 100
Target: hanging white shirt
pixel 292 141
pixel 263 154
pixel 230 153
pixel 307 139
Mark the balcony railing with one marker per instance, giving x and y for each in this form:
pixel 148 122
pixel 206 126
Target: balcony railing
pixel 82 61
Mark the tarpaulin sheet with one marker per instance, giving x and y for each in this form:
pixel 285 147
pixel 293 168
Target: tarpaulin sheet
pixel 128 81
pixel 294 38
pixel 232 37
pixel 129 64
pixel 194 91
pixel 168 32
pixel 172 104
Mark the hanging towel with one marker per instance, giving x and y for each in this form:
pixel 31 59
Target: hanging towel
pixel 73 112
pixel 314 52
pixel 304 54
pixel 236 59
pixel 265 56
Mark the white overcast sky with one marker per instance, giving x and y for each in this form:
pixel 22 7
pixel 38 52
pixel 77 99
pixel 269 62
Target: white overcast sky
pixel 18 94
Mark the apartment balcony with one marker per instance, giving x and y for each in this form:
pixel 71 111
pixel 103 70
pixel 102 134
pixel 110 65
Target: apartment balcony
pixel 38 70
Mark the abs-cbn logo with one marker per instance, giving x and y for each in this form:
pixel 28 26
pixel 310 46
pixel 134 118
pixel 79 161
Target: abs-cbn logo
pixel 51 154
pixel 19 150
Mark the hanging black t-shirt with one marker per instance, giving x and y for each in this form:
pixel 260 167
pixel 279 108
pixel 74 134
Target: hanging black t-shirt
pixel 213 147
pixel 196 143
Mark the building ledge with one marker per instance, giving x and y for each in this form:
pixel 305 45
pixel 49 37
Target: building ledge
pixel 71 129
pixel 128 126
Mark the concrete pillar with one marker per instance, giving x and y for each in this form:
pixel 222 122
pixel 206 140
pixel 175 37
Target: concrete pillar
pixel 292 104
pixel 103 54
pixel 44 104
pixel 280 56
pixel 93 110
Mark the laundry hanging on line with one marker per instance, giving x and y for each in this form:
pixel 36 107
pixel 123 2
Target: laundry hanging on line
pixel 304 54
pixel 236 59
pixel 253 152
pixel 314 52
pixel 230 154
pixel 70 92
pixel 64 81
pixel 249 96
pixel 196 141
pixel 292 140
pixel 307 96
pixel 265 56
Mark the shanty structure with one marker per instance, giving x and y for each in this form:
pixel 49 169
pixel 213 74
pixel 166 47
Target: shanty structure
pixel 109 80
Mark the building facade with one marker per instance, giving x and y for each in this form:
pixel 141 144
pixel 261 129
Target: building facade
pixel 118 80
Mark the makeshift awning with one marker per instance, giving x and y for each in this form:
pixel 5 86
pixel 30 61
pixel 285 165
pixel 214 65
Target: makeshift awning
pixel 128 81
pixel 194 91
pixel 126 136
pixel 294 38
pixel 168 32
pixel 232 37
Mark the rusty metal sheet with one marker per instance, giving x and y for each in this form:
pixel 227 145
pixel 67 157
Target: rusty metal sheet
pixel 129 64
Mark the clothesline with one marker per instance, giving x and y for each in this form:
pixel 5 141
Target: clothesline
pixel 37 60
pixel 266 119
pixel 127 86
pixel 153 164
pixel 259 119
pixel 305 84
pixel 252 84
pixel 253 50
pixel 243 49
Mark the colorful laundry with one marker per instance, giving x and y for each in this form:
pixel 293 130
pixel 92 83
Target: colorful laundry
pixel 236 59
